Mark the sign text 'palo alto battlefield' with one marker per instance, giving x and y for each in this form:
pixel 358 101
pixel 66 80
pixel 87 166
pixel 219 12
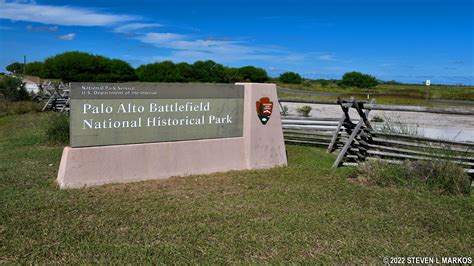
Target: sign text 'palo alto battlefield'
pixel 126 113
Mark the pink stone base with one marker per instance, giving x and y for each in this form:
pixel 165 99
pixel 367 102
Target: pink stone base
pixel 125 163
pixel 261 146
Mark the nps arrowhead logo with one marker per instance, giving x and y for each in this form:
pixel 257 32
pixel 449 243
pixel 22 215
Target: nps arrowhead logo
pixel 264 109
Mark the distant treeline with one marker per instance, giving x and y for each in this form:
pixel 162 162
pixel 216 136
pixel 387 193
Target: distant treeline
pixel 79 66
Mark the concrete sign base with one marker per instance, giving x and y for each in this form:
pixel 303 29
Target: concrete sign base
pixel 261 146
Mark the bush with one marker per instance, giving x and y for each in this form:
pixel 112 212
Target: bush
pixel 290 78
pixel 10 108
pixel 78 66
pixel 15 68
pixel 35 69
pixel 252 74
pixel 393 82
pixel 324 83
pixel 440 176
pixel 397 126
pixel 57 128
pixel 284 110
pixel 359 80
pixel 377 119
pixel 165 71
pixel 13 89
pixel 200 71
pixel 304 110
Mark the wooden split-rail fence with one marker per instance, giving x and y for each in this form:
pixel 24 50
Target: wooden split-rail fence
pixel 357 141
pixel 58 97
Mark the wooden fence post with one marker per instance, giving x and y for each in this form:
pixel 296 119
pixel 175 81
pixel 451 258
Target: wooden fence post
pixel 336 134
pixel 352 137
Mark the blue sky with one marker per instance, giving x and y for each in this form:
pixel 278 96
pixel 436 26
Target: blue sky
pixel 408 41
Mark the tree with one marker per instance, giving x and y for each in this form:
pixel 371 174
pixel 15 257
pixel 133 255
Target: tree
pixel 78 66
pixel 186 72
pixel 35 69
pixel 165 71
pixel 116 70
pixel 208 71
pixel 15 68
pixel 13 88
pixel 251 73
pixel 359 80
pixel 232 75
pixel 290 78
pixel 200 71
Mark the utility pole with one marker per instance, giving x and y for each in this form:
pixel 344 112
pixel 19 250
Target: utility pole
pixel 24 64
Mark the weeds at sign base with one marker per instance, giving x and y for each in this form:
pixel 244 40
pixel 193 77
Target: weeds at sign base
pixel 439 176
pixel 57 130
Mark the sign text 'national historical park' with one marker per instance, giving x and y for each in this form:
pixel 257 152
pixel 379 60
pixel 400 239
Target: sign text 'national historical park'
pixel 126 113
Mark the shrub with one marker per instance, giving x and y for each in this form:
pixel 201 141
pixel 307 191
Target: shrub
pixel 359 80
pixel 15 68
pixel 440 176
pixel 200 71
pixel 78 66
pixel 35 69
pixel 165 71
pixel 377 119
pixel 284 110
pixel 396 125
pixel 290 78
pixel 57 128
pixel 304 110
pixel 13 88
pixel 324 83
pixel 253 74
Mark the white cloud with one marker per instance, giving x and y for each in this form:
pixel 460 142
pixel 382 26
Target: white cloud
pixel 162 39
pixel 68 37
pixel 326 57
pixel 135 26
pixel 42 29
pixel 185 48
pixel 58 15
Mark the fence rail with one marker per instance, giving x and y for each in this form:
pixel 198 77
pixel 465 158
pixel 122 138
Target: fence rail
pixel 356 141
pixel 309 130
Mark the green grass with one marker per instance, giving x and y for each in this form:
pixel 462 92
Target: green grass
pixel 391 100
pixel 22 107
pixel 305 212
pixel 396 93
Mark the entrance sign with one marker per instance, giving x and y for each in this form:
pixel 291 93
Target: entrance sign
pixel 127 132
pixel 126 113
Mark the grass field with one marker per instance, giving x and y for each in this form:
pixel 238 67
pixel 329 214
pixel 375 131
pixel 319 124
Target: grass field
pixel 305 212
pixel 395 94
pixel 391 100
